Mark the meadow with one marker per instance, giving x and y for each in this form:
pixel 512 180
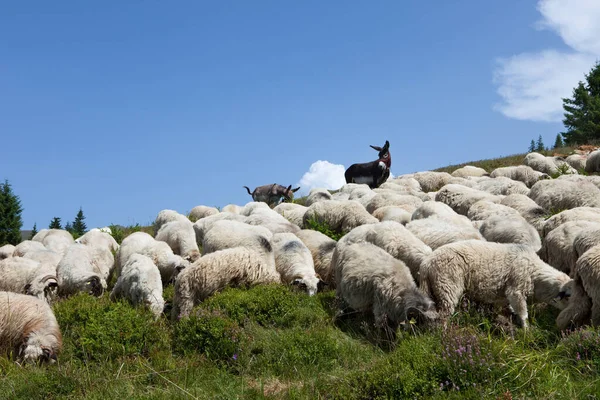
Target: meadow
pixel 273 342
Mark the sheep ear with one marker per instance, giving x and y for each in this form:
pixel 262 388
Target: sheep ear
pixel 26 288
pixel 321 285
pixel 296 282
pixel 295 190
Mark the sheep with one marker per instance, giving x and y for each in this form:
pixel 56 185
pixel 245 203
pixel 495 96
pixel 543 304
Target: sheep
pixel 28 329
pixel 181 238
pixel 438 232
pixel 294 262
pixel 165 216
pixel 405 182
pixel 461 198
pixel 200 212
pixel 321 248
pixel 47 258
pixel 373 173
pixel 586 239
pixel 232 208
pixel 78 271
pixel 271 220
pixel 392 188
pixel 140 283
pixel 168 263
pixel 97 238
pixel 502 186
pixel 436 209
pixel 430 181
pixel 212 272
pixel 577 161
pixel 57 240
pixel 469 170
pixel 584 305
pixel 228 234
pixel 593 162
pixel 579 213
pixel 23 275
pixel 529 209
pixel 409 203
pixel 7 251
pixel 362 195
pixel 317 194
pixel 491 273
pixel 27 246
pixel 394 238
pixel 205 224
pixel 484 209
pixel 558 249
pixel 368 279
pixel 507 229
pixel 294 213
pixel 393 213
pixel 558 194
pixel 340 216
pixel 522 173
pixel 272 193
pixel 541 163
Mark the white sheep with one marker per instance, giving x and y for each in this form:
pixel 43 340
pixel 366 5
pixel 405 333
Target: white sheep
pixel 491 273
pixel 48 258
pixel 205 224
pixel 212 272
pixel 438 232
pixel 593 162
pixel 461 198
pixel 394 238
pixel 368 279
pixel 586 239
pixel 591 214
pixel 430 181
pixel 584 305
pixel 23 275
pixel 140 283
pixel 292 212
pixel 436 209
pixel 543 164
pixel 200 212
pixel 27 246
pixel 28 328
pixel 165 216
pixel 408 202
pixel 469 170
pixel 57 240
pixel 522 173
pixel 321 248
pixel 393 213
pixel 227 234
pixel 502 186
pixel 98 238
pixel 406 182
pixel 294 262
pixel 232 208
pixel 577 161
pixel 340 216
pixel 529 209
pixel 558 249
pixel 317 194
pixel 510 229
pixel 563 194
pixel 7 251
pixel 485 209
pixel 78 271
pixel 168 263
pixel 271 220
pixel 181 238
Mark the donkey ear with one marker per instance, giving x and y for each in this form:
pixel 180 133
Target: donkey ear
pixel 288 188
pixel 295 190
pixel 376 147
pixel 387 145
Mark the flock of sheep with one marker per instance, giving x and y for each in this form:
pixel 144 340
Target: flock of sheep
pixel 412 247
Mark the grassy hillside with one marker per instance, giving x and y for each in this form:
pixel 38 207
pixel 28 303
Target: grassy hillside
pixel 273 342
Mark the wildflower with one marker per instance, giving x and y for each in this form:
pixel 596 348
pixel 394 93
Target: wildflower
pixel 235 356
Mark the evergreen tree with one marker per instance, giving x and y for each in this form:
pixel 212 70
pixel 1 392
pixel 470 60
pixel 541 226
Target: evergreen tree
pixel 55 223
pixel 558 142
pixel 69 227
pixel 34 231
pixel 540 144
pixel 531 146
pixel 79 227
pixel 582 111
pixel 10 215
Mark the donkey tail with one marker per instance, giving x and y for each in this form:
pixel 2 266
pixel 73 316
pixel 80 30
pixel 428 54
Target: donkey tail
pixel 248 189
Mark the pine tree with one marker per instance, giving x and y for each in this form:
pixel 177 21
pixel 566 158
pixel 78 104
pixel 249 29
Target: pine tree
pixel 558 142
pixel 540 144
pixel 79 227
pixel 582 111
pixel 69 227
pixel 531 146
pixel 10 215
pixel 55 223
pixel 34 231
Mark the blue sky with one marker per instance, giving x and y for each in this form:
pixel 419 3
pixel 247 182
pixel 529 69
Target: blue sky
pixel 127 108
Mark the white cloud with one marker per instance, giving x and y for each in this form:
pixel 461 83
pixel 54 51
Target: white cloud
pixel 532 85
pixel 322 174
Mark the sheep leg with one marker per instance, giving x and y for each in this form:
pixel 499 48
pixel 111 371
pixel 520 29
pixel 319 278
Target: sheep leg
pixel 518 303
pixel 578 309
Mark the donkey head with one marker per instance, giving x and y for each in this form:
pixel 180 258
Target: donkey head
pixel 288 193
pixel 384 152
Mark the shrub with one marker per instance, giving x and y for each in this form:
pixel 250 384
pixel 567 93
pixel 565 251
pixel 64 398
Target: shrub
pixel 321 226
pixel 98 329
pixel 582 348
